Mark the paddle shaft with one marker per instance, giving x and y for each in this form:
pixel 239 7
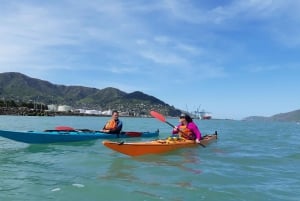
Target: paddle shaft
pixel 170 124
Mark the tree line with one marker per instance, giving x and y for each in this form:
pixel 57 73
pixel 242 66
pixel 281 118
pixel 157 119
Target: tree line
pixel 18 104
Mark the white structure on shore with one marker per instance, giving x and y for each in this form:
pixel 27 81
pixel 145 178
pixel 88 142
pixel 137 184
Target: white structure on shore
pixel 59 108
pixel 52 108
pixel 107 112
pixel 67 108
pixel 93 112
pixel 64 108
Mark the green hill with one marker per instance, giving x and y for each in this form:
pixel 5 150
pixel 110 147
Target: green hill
pixel 21 88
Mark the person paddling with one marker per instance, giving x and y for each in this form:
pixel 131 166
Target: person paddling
pixel 187 129
pixel 114 125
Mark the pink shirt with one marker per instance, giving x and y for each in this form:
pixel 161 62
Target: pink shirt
pixel 193 128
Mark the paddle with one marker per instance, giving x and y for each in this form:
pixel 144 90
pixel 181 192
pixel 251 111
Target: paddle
pixel 133 134
pixel 161 118
pixel 64 128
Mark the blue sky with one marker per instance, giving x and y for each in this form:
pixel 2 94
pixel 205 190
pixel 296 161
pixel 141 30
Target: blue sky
pixel 232 58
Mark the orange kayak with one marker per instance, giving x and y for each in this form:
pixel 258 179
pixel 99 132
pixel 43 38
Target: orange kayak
pixel 156 146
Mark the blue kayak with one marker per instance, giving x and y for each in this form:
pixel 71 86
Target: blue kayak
pixel 76 135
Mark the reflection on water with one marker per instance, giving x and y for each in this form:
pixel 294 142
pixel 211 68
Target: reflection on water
pixel 120 169
pixel 144 175
pixel 129 168
pixel 34 148
pixel 181 159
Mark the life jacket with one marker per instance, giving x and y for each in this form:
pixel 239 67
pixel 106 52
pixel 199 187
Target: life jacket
pixel 186 133
pixel 111 124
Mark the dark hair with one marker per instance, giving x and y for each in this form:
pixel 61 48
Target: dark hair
pixel 186 117
pixel 115 111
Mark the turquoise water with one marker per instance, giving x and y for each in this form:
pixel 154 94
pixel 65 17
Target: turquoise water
pixel 250 161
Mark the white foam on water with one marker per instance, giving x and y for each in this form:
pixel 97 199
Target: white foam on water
pixel 55 189
pixel 78 185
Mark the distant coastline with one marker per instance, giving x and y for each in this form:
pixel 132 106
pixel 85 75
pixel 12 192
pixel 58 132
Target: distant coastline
pixel 36 112
pixel 293 116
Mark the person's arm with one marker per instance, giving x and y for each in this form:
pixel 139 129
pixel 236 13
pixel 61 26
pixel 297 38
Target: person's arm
pixel 175 130
pixel 194 128
pixel 104 128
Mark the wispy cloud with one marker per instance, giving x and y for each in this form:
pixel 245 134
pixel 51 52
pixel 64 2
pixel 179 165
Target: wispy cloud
pixel 286 67
pixel 123 70
pixel 265 68
pixel 163 58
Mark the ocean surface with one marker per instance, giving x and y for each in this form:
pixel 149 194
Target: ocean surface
pixel 251 161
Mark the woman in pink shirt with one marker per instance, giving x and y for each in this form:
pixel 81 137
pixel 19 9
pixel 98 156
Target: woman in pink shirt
pixel 187 128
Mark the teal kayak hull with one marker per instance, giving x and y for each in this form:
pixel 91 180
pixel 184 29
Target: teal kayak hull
pixel 57 136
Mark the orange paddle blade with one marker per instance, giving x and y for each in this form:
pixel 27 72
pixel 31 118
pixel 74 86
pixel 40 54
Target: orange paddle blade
pixel 158 116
